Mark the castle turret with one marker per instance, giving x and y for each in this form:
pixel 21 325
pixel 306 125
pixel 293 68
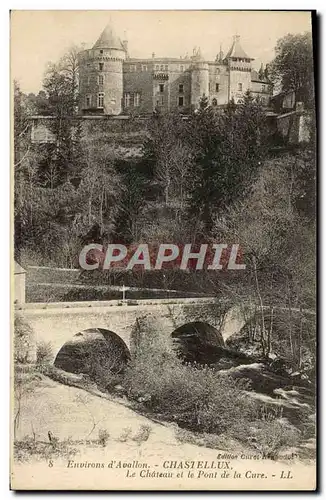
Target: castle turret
pixel 199 78
pixel 239 64
pixel 101 75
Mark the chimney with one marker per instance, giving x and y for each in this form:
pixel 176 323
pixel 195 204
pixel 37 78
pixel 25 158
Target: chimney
pixel 125 46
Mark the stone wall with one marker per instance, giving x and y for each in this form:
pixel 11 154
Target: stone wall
pixel 58 323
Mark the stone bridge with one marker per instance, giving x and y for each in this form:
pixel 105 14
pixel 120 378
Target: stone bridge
pixel 57 323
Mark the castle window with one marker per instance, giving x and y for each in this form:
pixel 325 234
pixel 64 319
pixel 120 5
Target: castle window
pixel 101 51
pixel 214 102
pixel 263 88
pixel 181 88
pixel 180 101
pixel 100 100
pixel 160 101
pixel 127 100
pixel 100 79
pixel 88 101
pixel 162 67
pixel 240 87
pixel 144 68
pixel 136 99
pixel 157 67
pixel 181 67
pixel 101 66
pixel 161 87
pixel 88 80
pixel 217 87
pixel 166 67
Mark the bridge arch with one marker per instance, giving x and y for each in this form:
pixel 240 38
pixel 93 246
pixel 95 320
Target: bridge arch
pixel 97 352
pixel 198 341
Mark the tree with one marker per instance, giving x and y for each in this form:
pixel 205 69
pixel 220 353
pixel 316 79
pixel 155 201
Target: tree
pixel 168 155
pixel 292 66
pixel 100 187
pixel 278 244
pixel 228 149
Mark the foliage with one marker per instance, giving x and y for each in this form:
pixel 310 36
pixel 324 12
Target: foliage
pixel 143 434
pixel 279 251
pixel 44 352
pixel 292 66
pixel 269 437
pixel 193 397
pixel 228 149
pixel 103 437
pixel 199 399
pixel 28 448
pixel 23 340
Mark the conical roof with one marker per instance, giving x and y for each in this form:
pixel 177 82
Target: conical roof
pixel 108 40
pixel 236 50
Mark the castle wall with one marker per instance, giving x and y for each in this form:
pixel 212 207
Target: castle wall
pixel 199 82
pixel 138 82
pixel 100 72
pixel 111 85
pixel 176 79
pixel 218 75
pixel 261 91
pixel 235 79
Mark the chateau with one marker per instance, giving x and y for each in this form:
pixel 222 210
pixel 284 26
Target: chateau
pixel 113 83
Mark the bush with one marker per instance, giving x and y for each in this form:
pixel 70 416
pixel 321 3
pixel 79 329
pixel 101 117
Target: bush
pixel 23 340
pixel 28 449
pixel 125 434
pixel 196 398
pixel 143 434
pixel 269 437
pixel 44 353
pixel 103 437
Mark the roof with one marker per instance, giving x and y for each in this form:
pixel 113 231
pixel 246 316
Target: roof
pixel 108 40
pixel 19 269
pixel 255 77
pixel 236 50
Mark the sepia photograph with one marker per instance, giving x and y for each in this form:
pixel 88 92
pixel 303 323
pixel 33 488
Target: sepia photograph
pixel 163 292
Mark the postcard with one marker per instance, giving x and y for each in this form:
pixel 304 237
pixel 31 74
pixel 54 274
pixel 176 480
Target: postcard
pixel 164 250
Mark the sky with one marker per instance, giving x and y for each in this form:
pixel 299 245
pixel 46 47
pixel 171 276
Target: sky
pixel 38 37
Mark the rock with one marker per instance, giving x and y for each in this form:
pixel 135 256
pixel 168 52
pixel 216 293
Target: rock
pixel 119 390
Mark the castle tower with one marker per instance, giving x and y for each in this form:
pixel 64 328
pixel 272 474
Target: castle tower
pixel 239 64
pixel 199 78
pixel 101 75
